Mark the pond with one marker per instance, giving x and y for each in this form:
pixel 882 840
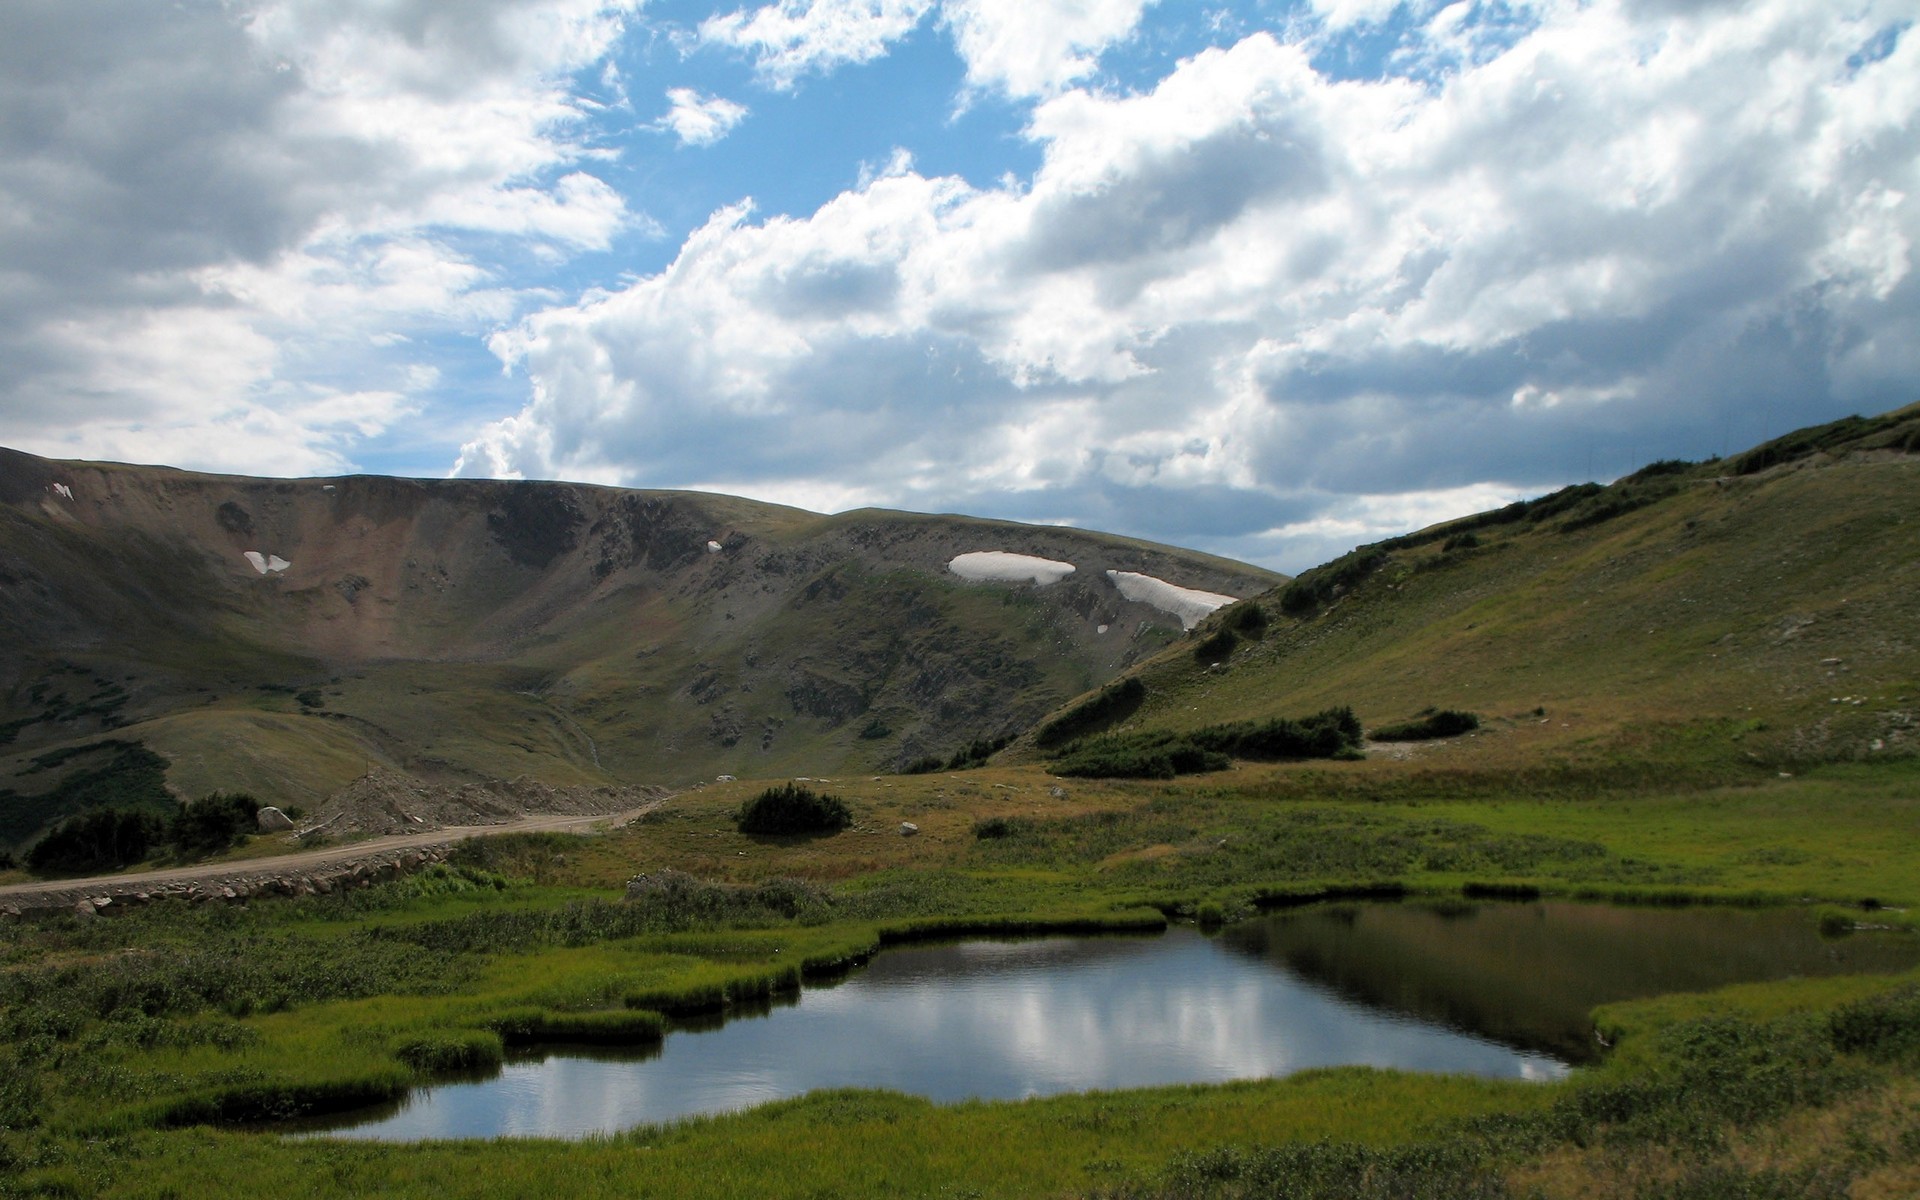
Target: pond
pixel 1492 989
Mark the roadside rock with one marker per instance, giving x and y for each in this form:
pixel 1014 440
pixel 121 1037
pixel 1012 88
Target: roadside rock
pixel 272 820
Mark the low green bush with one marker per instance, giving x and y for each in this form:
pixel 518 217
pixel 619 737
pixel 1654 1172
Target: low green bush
pixel 791 809
pixel 1315 588
pixel 102 840
pixel 1216 647
pixel 1106 708
pixel 1442 723
pixel 1165 754
pixel 213 823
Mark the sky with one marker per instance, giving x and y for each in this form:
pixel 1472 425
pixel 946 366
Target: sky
pixel 1267 278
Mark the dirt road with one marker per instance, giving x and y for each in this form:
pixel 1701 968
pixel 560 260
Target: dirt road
pixel 304 864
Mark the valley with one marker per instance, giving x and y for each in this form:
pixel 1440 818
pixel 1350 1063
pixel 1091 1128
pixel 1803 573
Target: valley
pixel 1695 686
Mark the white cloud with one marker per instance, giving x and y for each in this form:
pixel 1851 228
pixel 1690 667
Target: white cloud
pixel 699 120
pixel 1219 306
pixel 1029 49
pixel 1022 48
pixel 215 211
pixel 797 37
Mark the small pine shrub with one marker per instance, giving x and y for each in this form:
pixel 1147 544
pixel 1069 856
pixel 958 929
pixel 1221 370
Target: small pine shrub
pixel 101 840
pixel 213 823
pixel 1442 724
pixel 1108 707
pixel 791 809
pixel 922 766
pixel 1247 618
pixel 1166 755
pixel 991 828
pixel 976 753
pixel 1315 588
pixel 1217 647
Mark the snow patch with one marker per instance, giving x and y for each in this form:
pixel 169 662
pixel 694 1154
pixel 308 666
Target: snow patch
pixel 1186 603
pixel 267 564
pixel 1000 566
pixel 64 490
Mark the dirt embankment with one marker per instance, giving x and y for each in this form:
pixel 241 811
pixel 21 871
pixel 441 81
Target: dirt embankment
pixel 401 825
pixel 382 803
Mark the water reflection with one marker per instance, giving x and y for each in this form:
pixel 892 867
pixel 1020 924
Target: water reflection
pixel 1528 974
pixel 1495 990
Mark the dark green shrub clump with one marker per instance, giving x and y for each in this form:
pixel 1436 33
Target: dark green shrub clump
pixel 921 766
pixel 1443 723
pixel 1248 618
pixel 976 753
pixel 1325 583
pixel 1111 705
pixel 212 823
pixel 102 840
pixel 1217 647
pixel 1165 754
pixel 793 809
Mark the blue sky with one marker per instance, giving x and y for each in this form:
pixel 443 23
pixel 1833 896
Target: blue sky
pixel 1269 279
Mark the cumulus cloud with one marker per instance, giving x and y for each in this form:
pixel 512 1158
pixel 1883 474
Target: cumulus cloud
pixel 1027 49
pixel 699 120
pixel 1017 47
pixel 203 197
pixel 796 37
pixel 1222 305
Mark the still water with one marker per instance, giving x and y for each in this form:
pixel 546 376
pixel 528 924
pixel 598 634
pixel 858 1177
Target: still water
pixel 1499 990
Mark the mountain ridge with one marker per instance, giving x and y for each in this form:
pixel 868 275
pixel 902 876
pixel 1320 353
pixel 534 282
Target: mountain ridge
pixel 286 636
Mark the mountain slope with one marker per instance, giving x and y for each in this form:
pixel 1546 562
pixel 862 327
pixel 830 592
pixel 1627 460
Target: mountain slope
pixel 1768 604
pixel 283 635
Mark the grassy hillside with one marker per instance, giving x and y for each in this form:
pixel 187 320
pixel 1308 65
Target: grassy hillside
pixel 1760 611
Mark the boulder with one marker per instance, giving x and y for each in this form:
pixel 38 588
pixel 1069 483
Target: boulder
pixel 908 829
pixel 272 820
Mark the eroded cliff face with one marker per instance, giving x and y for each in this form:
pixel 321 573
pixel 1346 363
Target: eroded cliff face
pixel 283 634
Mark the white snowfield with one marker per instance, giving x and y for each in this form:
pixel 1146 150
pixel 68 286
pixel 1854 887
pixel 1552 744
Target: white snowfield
pixel 266 564
pixel 64 490
pixel 1186 603
pixel 1001 566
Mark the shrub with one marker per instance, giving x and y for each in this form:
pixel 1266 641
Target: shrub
pixel 1446 722
pixel 921 766
pixel 1248 618
pixel 976 753
pixel 1164 754
pixel 1316 587
pixel 1460 541
pixel 1217 647
pixel 212 823
pixel 793 809
pixel 993 827
pixel 1111 705
pixel 101 840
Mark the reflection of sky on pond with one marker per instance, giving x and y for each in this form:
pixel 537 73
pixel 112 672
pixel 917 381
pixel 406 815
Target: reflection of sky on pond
pixel 1000 1020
